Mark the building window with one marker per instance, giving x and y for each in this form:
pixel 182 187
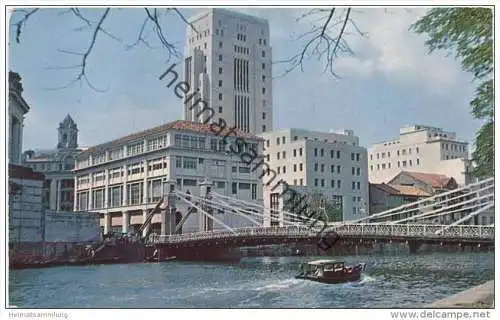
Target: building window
pixel 220 44
pixel 338 154
pixel 357 156
pixel 300 152
pixel 294 167
pixel 284 169
pixel 418 161
pixel 263 116
pixel 316 167
pixel 301 182
pixel 220 96
pixel 315 152
pixel 294 152
pixel 234 188
pixel 358 171
pixel 220 109
pixel 284 155
pixel 300 166
pixel 338 168
pixel 263 128
pixel 263 66
pixel 353 185
pixel 278 155
pixel 220 70
pixel 254 191
pixel 220 83
pixel 263 90
pixel 220 57
pixel 316 182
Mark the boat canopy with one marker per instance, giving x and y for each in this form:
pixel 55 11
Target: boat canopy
pixel 323 262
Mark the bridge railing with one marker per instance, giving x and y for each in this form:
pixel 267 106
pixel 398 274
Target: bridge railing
pixel 419 231
pixel 360 230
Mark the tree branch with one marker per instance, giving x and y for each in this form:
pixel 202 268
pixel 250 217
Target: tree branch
pixel 322 42
pixel 22 22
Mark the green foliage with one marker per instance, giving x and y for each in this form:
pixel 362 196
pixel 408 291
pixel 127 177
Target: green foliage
pixel 467 32
pixel 317 202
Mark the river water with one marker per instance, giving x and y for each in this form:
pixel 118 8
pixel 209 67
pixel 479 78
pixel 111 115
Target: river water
pixel 401 280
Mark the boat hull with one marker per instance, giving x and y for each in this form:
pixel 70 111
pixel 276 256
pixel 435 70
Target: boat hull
pixel 328 280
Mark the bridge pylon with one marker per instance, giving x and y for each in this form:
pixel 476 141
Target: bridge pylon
pixel 168 214
pixel 206 223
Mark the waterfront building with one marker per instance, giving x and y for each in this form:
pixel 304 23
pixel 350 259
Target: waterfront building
pixel 331 164
pixel 423 149
pixel 124 178
pixel 18 107
pixel 385 197
pixel 228 59
pixel 57 166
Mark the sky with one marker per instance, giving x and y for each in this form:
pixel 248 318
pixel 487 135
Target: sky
pixel 390 80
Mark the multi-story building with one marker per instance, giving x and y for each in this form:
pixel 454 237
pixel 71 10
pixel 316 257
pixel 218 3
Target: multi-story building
pixel 57 166
pixel 17 109
pixel 421 149
pixel 124 178
pixel 228 60
pixel 333 164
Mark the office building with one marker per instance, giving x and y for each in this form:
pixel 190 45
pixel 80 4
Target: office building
pixel 228 59
pixel 421 149
pixel 57 166
pixel 124 178
pixel 331 164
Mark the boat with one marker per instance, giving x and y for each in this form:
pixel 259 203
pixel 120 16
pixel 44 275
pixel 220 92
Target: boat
pixel 330 271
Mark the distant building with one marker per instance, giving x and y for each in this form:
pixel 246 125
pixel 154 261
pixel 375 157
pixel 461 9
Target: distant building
pixel 228 57
pixel 423 149
pixel 333 164
pixel 17 109
pixel 124 178
pixel 384 197
pixel 57 165
pixel 430 183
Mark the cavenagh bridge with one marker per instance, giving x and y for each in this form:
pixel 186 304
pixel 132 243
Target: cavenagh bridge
pixel 448 218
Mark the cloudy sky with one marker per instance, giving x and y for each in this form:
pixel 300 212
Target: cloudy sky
pixel 389 82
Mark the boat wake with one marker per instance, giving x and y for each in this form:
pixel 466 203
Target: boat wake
pixel 283 284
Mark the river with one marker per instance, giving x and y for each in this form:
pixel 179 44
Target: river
pixel 400 280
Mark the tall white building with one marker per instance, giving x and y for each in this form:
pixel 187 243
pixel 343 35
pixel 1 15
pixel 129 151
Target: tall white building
pixel 421 149
pixel 124 178
pixel 17 109
pixel 228 58
pixel 332 164
pixel 57 166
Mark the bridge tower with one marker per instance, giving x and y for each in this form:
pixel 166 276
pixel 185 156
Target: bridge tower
pixel 205 222
pixel 168 214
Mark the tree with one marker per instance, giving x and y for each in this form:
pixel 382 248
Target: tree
pixel 154 21
pixel 467 32
pixel 318 203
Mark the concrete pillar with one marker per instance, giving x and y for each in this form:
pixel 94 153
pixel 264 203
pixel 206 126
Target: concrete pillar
pixel 145 181
pixel 106 186
pixel 75 195
pixel 125 178
pixel 58 195
pixel 144 216
pixel 206 223
pixel 53 195
pixel 125 221
pixel 107 222
pixel 91 195
pixel 168 215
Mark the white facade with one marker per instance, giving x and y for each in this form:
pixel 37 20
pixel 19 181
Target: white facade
pixel 17 109
pixel 125 178
pixel 422 149
pixel 228 58
pixel 330 163
pixel 57 166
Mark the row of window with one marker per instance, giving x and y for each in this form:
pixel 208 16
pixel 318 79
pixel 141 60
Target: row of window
pixel 282 140
pixel 403 164
pixel 398 152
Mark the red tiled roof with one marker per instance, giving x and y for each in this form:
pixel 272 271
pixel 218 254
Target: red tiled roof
pixel 410 191
pixel 435 180
pixel 181 125
pixel 20 172
pixel 386 188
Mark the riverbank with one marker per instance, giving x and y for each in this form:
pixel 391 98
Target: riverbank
pixel 482 296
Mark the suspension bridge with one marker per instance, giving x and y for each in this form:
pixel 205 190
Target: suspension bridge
pixel 448 218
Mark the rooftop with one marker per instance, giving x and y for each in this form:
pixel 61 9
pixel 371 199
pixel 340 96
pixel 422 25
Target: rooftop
pixel 179 125
pixel 435 180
